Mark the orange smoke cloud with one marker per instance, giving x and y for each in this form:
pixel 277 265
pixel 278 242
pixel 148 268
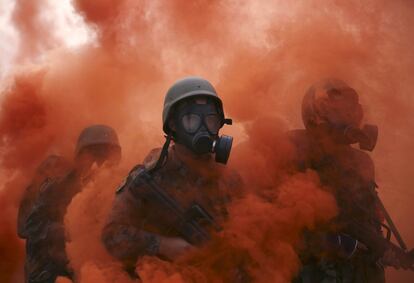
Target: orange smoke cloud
pixel 22 122
pixel 99 11
pixel 262 56
pixel 34 29
pixel 84 221
pixel 196 21
pixel 264 228
pixel 296 204
pixel 44 108
pixel 22 117
pixel 104 15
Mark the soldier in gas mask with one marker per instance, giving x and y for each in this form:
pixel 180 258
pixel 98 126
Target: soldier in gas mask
pixel 351 248
pixel 174 201
pixel 44 203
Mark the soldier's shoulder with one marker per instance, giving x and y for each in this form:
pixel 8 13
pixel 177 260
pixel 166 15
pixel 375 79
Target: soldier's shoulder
pixel 54 166
pixel 148 165
pixel 152 158
pixel 52 170
pixel 132 175
pixel 363 161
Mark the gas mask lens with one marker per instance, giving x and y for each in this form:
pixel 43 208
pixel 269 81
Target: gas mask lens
pixel 192 122
pixel 213 123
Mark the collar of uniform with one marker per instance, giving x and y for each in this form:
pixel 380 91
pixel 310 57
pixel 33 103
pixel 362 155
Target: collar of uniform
pixel 183 169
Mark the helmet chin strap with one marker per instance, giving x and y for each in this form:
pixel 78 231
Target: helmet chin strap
pixel 164 153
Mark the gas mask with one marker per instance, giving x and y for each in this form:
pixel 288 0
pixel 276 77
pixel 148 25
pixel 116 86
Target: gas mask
pixel 98 155
pixel 197 126
pixel 366 136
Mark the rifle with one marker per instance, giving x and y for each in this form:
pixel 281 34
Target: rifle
pixel 391 226
pixel 189 220
pixel 406 257
pixel 371 239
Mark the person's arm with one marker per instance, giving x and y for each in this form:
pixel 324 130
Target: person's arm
pixel 126 240
pixel 53 166
pixel 122 235
pixel 26 205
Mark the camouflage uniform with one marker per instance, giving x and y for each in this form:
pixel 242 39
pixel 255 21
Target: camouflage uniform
pixel 139 220
pixel 53 166
pixel 41 235
pixel 45 245
pixel 332 252
pixel 44 204
pixel 349 173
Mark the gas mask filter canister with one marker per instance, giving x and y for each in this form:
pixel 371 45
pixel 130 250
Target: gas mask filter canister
pixel 366 137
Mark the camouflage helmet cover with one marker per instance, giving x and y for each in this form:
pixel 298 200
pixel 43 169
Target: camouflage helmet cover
pixel 186 88
pixel 95 135
pixel 333 102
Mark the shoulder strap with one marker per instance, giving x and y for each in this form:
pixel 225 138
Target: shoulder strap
pixel 137 170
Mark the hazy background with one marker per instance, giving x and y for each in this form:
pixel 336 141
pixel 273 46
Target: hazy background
pixel 64 65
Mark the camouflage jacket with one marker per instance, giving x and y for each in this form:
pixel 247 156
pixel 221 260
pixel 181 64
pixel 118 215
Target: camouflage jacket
pixel 350 176
pixel 52 168
pixel 136 220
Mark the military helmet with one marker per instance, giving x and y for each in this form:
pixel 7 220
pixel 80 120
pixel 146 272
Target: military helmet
pixel 97 135
pixel 331 101
pixel 185 88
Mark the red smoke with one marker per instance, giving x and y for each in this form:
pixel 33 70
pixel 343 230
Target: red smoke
pixel 261 55
pixel 34 28
pixel 23 117
pixel 84 221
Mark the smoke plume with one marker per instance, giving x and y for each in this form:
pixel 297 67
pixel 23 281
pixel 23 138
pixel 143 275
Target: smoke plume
pixel 261 56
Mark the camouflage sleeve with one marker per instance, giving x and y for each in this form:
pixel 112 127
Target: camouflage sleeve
pixel 123 235
pixel 43 208
pixel 53 166
pixel 25 207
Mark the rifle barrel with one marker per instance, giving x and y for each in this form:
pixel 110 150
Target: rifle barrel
pixel 393 228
